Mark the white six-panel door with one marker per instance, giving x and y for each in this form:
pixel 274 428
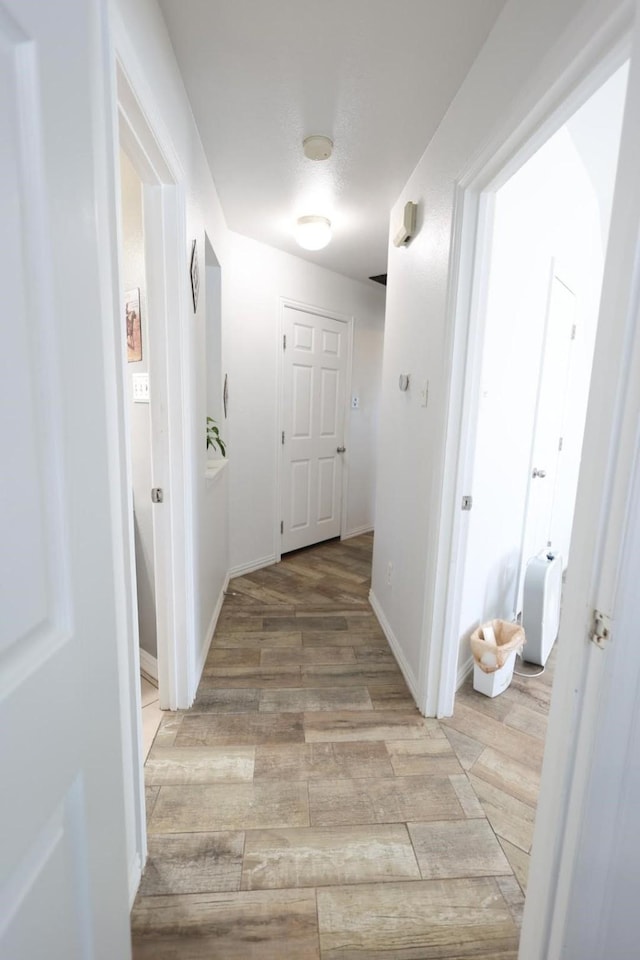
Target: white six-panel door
pixel 315 370
pixel 63 870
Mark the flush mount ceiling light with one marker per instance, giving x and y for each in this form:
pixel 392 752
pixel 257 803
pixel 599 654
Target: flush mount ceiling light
pixel 313 233
pixel 317 147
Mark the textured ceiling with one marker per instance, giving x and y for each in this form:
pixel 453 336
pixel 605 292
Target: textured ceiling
pixel 376 76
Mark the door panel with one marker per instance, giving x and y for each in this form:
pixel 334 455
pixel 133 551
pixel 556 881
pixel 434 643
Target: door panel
pixel 300 477
pixel 302 400
pixel 63 870
pixel 329 399
pixel 326 490
pixel 315 367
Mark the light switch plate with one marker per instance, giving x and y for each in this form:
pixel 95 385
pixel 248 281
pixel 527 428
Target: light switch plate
pixel 141 388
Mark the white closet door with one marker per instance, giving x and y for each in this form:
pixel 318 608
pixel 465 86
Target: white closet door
pixel 314 399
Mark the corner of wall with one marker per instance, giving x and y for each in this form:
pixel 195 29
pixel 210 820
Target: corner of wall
pixel 396 649
pixel 204 649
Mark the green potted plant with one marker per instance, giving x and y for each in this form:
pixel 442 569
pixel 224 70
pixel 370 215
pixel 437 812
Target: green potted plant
pixel 213 437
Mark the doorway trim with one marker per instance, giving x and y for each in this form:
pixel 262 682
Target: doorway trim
pixel 350 322
pixel 602 53
pixel 164 225
pixel 140 131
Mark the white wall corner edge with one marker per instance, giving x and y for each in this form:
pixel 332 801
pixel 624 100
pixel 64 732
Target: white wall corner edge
pixel 149 664
pixel 463 672
pixel 135 877
pixel 396 649
pixel 244 568
pixel 204 650
pixel 357 531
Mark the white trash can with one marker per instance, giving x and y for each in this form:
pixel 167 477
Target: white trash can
pixel 494 646
pixel 492 684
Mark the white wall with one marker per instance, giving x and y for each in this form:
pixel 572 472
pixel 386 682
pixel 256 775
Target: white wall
pixel 593 129
pixel 133 273
pixel 143 45
pixel 526 52
pixel 257 278
pixel 547 212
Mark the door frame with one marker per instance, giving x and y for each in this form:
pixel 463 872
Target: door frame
pixel 604 51
pixel 350 322
pixel 140 131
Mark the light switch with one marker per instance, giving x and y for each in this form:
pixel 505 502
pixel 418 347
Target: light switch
pixel 141 388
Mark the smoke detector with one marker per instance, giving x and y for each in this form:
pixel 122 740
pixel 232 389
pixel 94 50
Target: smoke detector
pixel 317 147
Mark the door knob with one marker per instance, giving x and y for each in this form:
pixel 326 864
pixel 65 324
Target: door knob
pixel 341 449
pixel 539 473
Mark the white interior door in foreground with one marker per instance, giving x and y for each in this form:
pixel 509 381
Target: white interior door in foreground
pixel 315 369
pixel 63 863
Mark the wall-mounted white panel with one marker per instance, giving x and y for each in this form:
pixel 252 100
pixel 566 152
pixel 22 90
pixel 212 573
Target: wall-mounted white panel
pixel 302 400
pixel 326 489
pixel 300 494
pixel 329 387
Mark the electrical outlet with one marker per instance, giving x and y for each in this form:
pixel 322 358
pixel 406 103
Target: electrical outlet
pixel 389 573
pixel 355 403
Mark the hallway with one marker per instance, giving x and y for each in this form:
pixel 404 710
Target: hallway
pixel 303 808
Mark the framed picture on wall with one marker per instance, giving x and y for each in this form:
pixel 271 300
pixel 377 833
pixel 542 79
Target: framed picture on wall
pixel 134 326
pixel 195 276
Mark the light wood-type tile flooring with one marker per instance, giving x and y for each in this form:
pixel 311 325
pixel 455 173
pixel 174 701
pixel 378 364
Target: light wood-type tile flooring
pixel 304 809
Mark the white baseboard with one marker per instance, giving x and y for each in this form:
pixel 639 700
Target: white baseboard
pixel 210 632
pixel 396 649
pixel 463 672
pixel 243 568
pixel 149 665
pixel 357 532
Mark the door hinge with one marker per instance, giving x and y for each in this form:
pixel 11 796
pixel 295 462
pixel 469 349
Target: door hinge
pixel 284 341
pixel 467 502
pixel 283 438
pixel 560 443
pixel 573 331
pixel 600 632
pixel 282 526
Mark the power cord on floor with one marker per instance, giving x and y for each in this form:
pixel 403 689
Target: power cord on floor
pixel 529 676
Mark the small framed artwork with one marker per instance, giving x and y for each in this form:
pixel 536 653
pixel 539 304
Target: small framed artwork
pixel 134 326
pixel 195 276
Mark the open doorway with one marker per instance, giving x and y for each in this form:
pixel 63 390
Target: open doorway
pixel 537 298
pixel 534 359
pixel 138 397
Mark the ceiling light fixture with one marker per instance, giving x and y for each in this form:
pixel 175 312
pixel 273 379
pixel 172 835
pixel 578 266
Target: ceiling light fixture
pixel 313 233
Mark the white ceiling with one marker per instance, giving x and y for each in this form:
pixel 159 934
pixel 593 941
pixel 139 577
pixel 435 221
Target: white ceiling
pixel 374 75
